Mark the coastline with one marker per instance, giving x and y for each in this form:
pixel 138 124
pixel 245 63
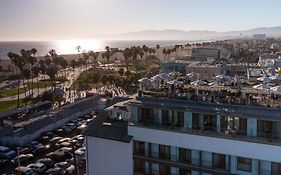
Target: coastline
pixel 5 63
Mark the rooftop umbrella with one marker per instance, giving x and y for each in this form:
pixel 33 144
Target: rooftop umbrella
pixel 199 83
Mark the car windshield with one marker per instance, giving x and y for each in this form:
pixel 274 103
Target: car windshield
pixel 6 151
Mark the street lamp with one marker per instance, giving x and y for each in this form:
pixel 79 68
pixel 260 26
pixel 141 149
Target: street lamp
pixel 18 151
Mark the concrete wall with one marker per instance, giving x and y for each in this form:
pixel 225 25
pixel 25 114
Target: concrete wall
pixel 109 157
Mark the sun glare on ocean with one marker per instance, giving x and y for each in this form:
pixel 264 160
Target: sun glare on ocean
pixel 69 46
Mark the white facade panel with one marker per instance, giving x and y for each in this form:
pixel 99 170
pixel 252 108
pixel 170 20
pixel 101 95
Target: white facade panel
pixel 109 157
pixel 210 144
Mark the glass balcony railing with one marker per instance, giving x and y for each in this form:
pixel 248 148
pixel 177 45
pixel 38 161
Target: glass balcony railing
pixel 172 160
pixel 234 134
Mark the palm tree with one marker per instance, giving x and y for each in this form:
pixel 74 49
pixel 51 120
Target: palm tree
pixel 78 48
pixel 63 64
pixel 107 53
pixel 127 54
pixel 86 58
pixel 18 62
pixel 43 70
pixel 31 60
pixel 157 46
pixel 26 74
pixel 35 71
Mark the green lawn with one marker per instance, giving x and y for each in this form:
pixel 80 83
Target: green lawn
pixel 12 104
pixel 14 91
pixel 40 84
pixel 10 92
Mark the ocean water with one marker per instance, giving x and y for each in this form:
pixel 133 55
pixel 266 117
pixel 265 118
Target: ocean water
pixel 69 46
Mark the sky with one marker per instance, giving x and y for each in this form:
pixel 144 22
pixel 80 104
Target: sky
pixel 69 19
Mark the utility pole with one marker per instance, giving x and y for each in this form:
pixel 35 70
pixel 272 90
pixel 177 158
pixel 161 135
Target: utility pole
pixel 18 151
pixel 74 158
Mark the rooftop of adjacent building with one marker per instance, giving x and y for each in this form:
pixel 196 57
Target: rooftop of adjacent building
pixel 104 127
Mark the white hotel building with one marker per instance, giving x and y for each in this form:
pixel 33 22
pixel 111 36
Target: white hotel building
pixel 167 136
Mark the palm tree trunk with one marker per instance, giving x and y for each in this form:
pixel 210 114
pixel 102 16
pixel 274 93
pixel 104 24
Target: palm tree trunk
pixel 18 105
pixel 37 86
pixel 45 81
pixel 32 85
pixel 24 91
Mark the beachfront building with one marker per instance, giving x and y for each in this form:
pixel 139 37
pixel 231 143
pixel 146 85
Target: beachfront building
pixel 259 36
pixel 186 133
pixel 206 52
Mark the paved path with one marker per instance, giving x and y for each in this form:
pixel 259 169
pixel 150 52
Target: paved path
pixel 71 76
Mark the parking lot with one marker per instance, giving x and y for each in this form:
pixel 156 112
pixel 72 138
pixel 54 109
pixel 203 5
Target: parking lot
pixel 52 153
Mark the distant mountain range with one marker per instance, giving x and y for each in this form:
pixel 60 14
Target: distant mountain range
pixel 194 35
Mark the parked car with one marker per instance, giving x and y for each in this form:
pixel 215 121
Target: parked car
pixel 25 150
pixel 57 171
pixel 58 156
pixel 3 162
pixel 70 169
pixel 22 158
pixel 34 144
pixel 71 125
pixel 38 167
pixel 59 131
pixel 44 139
pixel 6 153
pixel 22 170
pixel 47 161
pixel 62 165
pixel 55 139
pixel 67 129
pixel 39 149
pixel 66 149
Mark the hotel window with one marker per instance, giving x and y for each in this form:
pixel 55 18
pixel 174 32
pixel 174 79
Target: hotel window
pixel 139 166
pixel 180 119
pixel 165 118
pixel 184 155
pixel 164 152
pixel 195 121
pixel 139 148
pixel 242 126
pixel 219 161
pixel 147 115
pixel 165 170
pixel 244 164
pixel 184 172
pixel 275 168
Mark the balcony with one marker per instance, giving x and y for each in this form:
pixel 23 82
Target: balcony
pixel 174 161
pixel 240 135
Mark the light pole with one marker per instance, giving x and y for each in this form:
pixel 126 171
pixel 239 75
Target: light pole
pixel 18 151
pixel 74 159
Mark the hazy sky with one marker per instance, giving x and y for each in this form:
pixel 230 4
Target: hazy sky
pixel 69 19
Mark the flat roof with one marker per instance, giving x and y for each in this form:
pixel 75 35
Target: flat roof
pixel 223 109
pixel 104 127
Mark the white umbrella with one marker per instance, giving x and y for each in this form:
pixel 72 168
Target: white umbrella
pixel 190 75
pixel 164 75
pixel 145 81
pixel 275 78
pixel 175 82
pixel 174 74
pixel 261 86
pixel 156 78
pixel 222 76
pixel 199 83
pixel 276 88
pixel 264 79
